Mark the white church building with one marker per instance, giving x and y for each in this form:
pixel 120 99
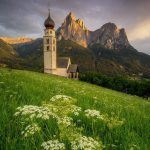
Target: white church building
pixel 60 66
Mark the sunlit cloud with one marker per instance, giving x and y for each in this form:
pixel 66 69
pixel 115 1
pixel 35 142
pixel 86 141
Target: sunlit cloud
pixel 140 31
pixel 26 18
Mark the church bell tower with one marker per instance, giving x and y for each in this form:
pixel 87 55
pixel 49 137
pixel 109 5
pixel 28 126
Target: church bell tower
pixel 49 46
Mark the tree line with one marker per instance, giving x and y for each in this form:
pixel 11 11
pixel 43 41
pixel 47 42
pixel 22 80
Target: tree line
pixel 130 86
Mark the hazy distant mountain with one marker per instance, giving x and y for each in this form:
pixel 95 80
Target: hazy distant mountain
pixel 108 36
pixel 19 40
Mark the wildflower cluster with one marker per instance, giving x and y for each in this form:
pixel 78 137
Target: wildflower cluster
pixel 62 110
pixel 111 122
pixel 86 143
pixel 114 122
pixel 53 145
pixel 75 110
pixel 34 112
pixel 134 147
pixel 65 121
pixel 60 97
pixel 31 130
pixel 92 113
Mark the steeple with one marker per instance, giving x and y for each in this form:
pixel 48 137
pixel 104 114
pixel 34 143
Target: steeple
pixel 49 23
pixel 49 40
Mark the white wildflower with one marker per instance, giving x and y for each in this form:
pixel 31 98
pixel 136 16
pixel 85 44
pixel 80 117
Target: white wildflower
pixel 86 143
pixel 53 145
pixel 75 110
pixel 31 130
pixel 92 113
pixel 134 147
pixel 113 122
pixel 94 97
pixel 34 112
pixel 60 97
pixel 65 121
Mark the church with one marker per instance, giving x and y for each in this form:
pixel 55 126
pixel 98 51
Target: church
pixel 60 66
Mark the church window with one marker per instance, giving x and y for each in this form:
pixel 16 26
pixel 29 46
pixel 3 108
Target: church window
pixel 50 32
pixel 47 41
pixel 47 48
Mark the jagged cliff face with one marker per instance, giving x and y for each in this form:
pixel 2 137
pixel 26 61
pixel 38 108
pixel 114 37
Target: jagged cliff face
pixel 73 29
pixel 108 36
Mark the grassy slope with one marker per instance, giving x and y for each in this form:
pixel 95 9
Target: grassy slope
pixel 23 87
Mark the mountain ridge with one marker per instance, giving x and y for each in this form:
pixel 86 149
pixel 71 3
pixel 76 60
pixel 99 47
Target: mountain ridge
pixel 106 50
pixel 17 40
pixel 108 36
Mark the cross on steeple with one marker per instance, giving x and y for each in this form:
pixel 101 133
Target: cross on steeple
pixel 49 7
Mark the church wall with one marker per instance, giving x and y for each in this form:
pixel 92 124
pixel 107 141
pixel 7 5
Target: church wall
pixel 62 72
pixel 49 71
pixel 49 41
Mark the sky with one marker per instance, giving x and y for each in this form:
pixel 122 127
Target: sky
pixel 26 17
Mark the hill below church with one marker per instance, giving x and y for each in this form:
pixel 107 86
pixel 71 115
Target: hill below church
pixel 111 118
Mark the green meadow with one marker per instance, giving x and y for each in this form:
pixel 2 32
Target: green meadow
pixel 94 115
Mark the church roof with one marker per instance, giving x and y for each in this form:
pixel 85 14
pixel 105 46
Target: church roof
pixel 63 62
pixel 73 68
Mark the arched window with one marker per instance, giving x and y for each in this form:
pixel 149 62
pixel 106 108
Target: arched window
pixel 47 41
pixel 48 48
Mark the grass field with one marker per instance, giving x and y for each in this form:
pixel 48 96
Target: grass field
pixel 113 120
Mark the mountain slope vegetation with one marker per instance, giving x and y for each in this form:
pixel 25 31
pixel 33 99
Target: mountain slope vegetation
pixel 123 61
pixel 33 54
pixel 6 50
pixel 122 121
pixel 9 56
pixel 94 58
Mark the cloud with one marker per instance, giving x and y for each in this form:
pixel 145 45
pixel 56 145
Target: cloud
pixel 140 31
pixel 26 18
pixel 142 45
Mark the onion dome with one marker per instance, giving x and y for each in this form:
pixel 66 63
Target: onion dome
pixel 49 23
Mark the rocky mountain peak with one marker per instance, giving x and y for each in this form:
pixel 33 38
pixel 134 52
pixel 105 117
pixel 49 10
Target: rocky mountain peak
pixel 81 23
pixel 111 37
pixel 108 36
pixel 73 29
pixel 71 16
pixel 110 26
